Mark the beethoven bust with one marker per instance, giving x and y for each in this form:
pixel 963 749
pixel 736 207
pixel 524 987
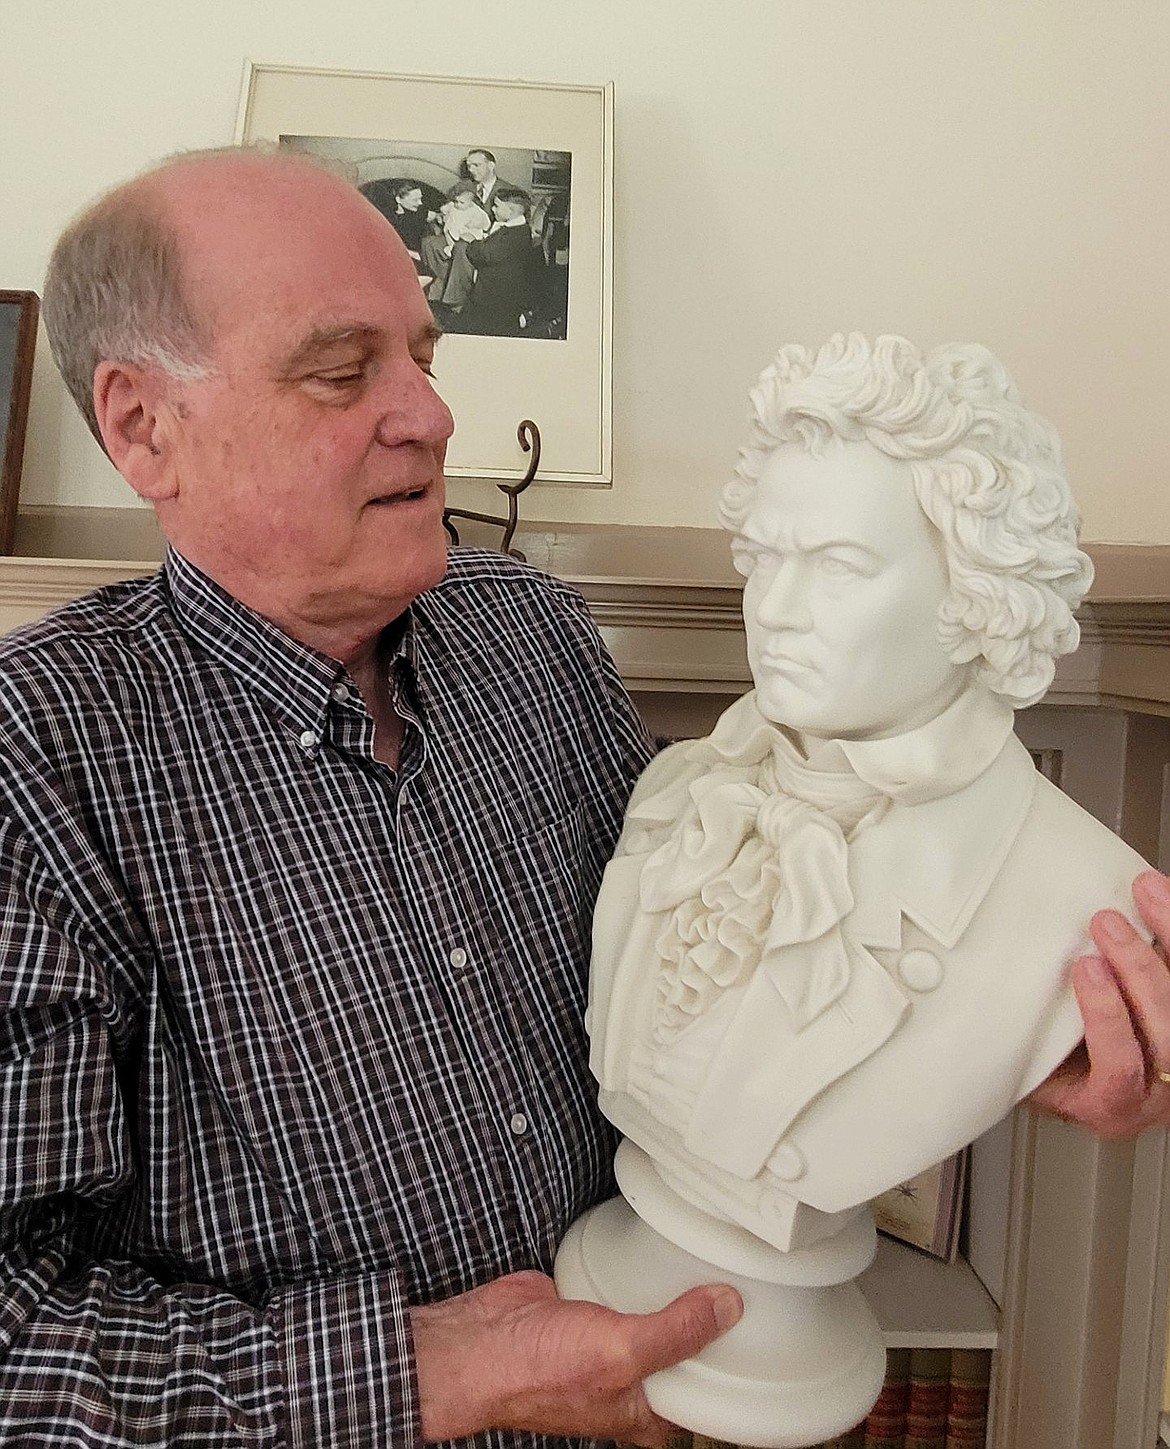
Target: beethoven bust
pixel 832 945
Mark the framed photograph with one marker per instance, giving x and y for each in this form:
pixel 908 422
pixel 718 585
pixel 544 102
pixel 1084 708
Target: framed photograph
pixel 18 340
pixel 502 193
pixel 927 1211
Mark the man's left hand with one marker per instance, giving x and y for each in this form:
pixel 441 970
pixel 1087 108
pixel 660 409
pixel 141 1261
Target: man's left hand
pixel 1117 1082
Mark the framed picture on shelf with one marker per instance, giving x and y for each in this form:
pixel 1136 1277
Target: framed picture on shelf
pixel 18 340
pixel 502 194
pixel 927 1211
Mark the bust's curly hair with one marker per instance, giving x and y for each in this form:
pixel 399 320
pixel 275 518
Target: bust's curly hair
pixel 987 473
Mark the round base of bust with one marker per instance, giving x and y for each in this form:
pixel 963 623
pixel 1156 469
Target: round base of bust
pixel 803 1364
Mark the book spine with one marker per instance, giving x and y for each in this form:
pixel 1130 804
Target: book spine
pixel 852 1439
pixel 970 1390
pixel 885 1426
pixel 926 1408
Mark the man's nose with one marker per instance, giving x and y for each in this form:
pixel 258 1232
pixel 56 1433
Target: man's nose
pixel 783 602
pixel 414 412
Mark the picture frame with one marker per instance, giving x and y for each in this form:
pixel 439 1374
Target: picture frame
pixel 550 362
pixel 18 340
pixel 927 1210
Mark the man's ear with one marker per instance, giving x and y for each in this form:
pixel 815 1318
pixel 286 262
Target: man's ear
pixel 137 423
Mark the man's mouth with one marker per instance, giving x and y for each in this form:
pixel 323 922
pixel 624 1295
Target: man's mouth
pixel 403 495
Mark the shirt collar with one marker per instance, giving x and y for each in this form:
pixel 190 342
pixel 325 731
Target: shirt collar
pixel 941 756
pixel 964 785
pixel 935 862
pixel 295 683
pixel 935 760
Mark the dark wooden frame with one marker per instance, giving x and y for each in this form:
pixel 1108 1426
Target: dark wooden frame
pixel 17 387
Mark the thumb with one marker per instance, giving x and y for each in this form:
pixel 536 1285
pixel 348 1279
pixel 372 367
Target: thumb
pixel 683 1327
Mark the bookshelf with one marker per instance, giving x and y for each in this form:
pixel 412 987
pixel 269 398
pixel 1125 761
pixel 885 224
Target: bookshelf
pixel 921 1302
pixel 1072 1235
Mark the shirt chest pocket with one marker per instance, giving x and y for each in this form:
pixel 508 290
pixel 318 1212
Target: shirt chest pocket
pixel 532 893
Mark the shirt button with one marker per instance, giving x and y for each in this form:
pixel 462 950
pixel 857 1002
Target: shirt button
pixel 457 959
pixel 308 739
pixel 518 1124
pixel 341 693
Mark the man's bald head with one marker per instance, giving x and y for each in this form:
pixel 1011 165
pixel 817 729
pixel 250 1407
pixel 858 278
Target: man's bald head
pixel 118 288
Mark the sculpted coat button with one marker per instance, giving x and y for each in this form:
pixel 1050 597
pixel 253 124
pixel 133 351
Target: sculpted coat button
pixel 921 970
pixel 787 1162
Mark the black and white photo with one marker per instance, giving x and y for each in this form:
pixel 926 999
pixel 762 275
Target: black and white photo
pixel 487 226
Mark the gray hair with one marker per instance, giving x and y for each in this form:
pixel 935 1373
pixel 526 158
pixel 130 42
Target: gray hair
pixel 114 291
pixel 987 473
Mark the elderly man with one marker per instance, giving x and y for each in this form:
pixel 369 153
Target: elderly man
pixel 299 844
pixel 300 841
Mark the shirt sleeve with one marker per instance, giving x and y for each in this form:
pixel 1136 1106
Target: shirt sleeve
pixel 100 1350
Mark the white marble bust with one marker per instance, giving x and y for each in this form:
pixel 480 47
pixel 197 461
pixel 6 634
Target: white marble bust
pixel 832 945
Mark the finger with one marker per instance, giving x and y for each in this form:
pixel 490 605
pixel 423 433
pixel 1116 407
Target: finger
pixel 1142 976
pixel 646 1428
pixel 1151 891
pixel 1116 1083
pixel 683 1327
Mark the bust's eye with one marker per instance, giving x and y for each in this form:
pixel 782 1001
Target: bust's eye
pixel 835 567
pixel 744 557
pixel 856 564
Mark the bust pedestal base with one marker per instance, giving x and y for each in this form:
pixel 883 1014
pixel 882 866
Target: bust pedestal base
pixel 804 1363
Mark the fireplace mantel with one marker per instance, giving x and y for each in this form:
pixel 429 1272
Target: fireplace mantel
pixel 666 599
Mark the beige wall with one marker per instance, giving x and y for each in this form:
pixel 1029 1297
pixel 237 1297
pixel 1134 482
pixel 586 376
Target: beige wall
pixel 952 169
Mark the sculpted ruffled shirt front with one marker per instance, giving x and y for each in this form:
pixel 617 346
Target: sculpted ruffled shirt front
pixel 752 871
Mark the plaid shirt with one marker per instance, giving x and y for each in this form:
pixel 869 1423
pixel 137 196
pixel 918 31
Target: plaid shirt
pixel 288 1040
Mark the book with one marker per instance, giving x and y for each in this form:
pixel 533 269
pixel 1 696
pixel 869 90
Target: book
pixel 927 1210
pixel 928 1399
pixel 885 1426
pixel 970 1389
pixel 852 1439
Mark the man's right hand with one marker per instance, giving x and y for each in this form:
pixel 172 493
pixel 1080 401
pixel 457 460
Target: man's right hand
pixel 513 1355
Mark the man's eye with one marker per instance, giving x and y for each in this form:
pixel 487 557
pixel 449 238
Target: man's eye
pixel 349 378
